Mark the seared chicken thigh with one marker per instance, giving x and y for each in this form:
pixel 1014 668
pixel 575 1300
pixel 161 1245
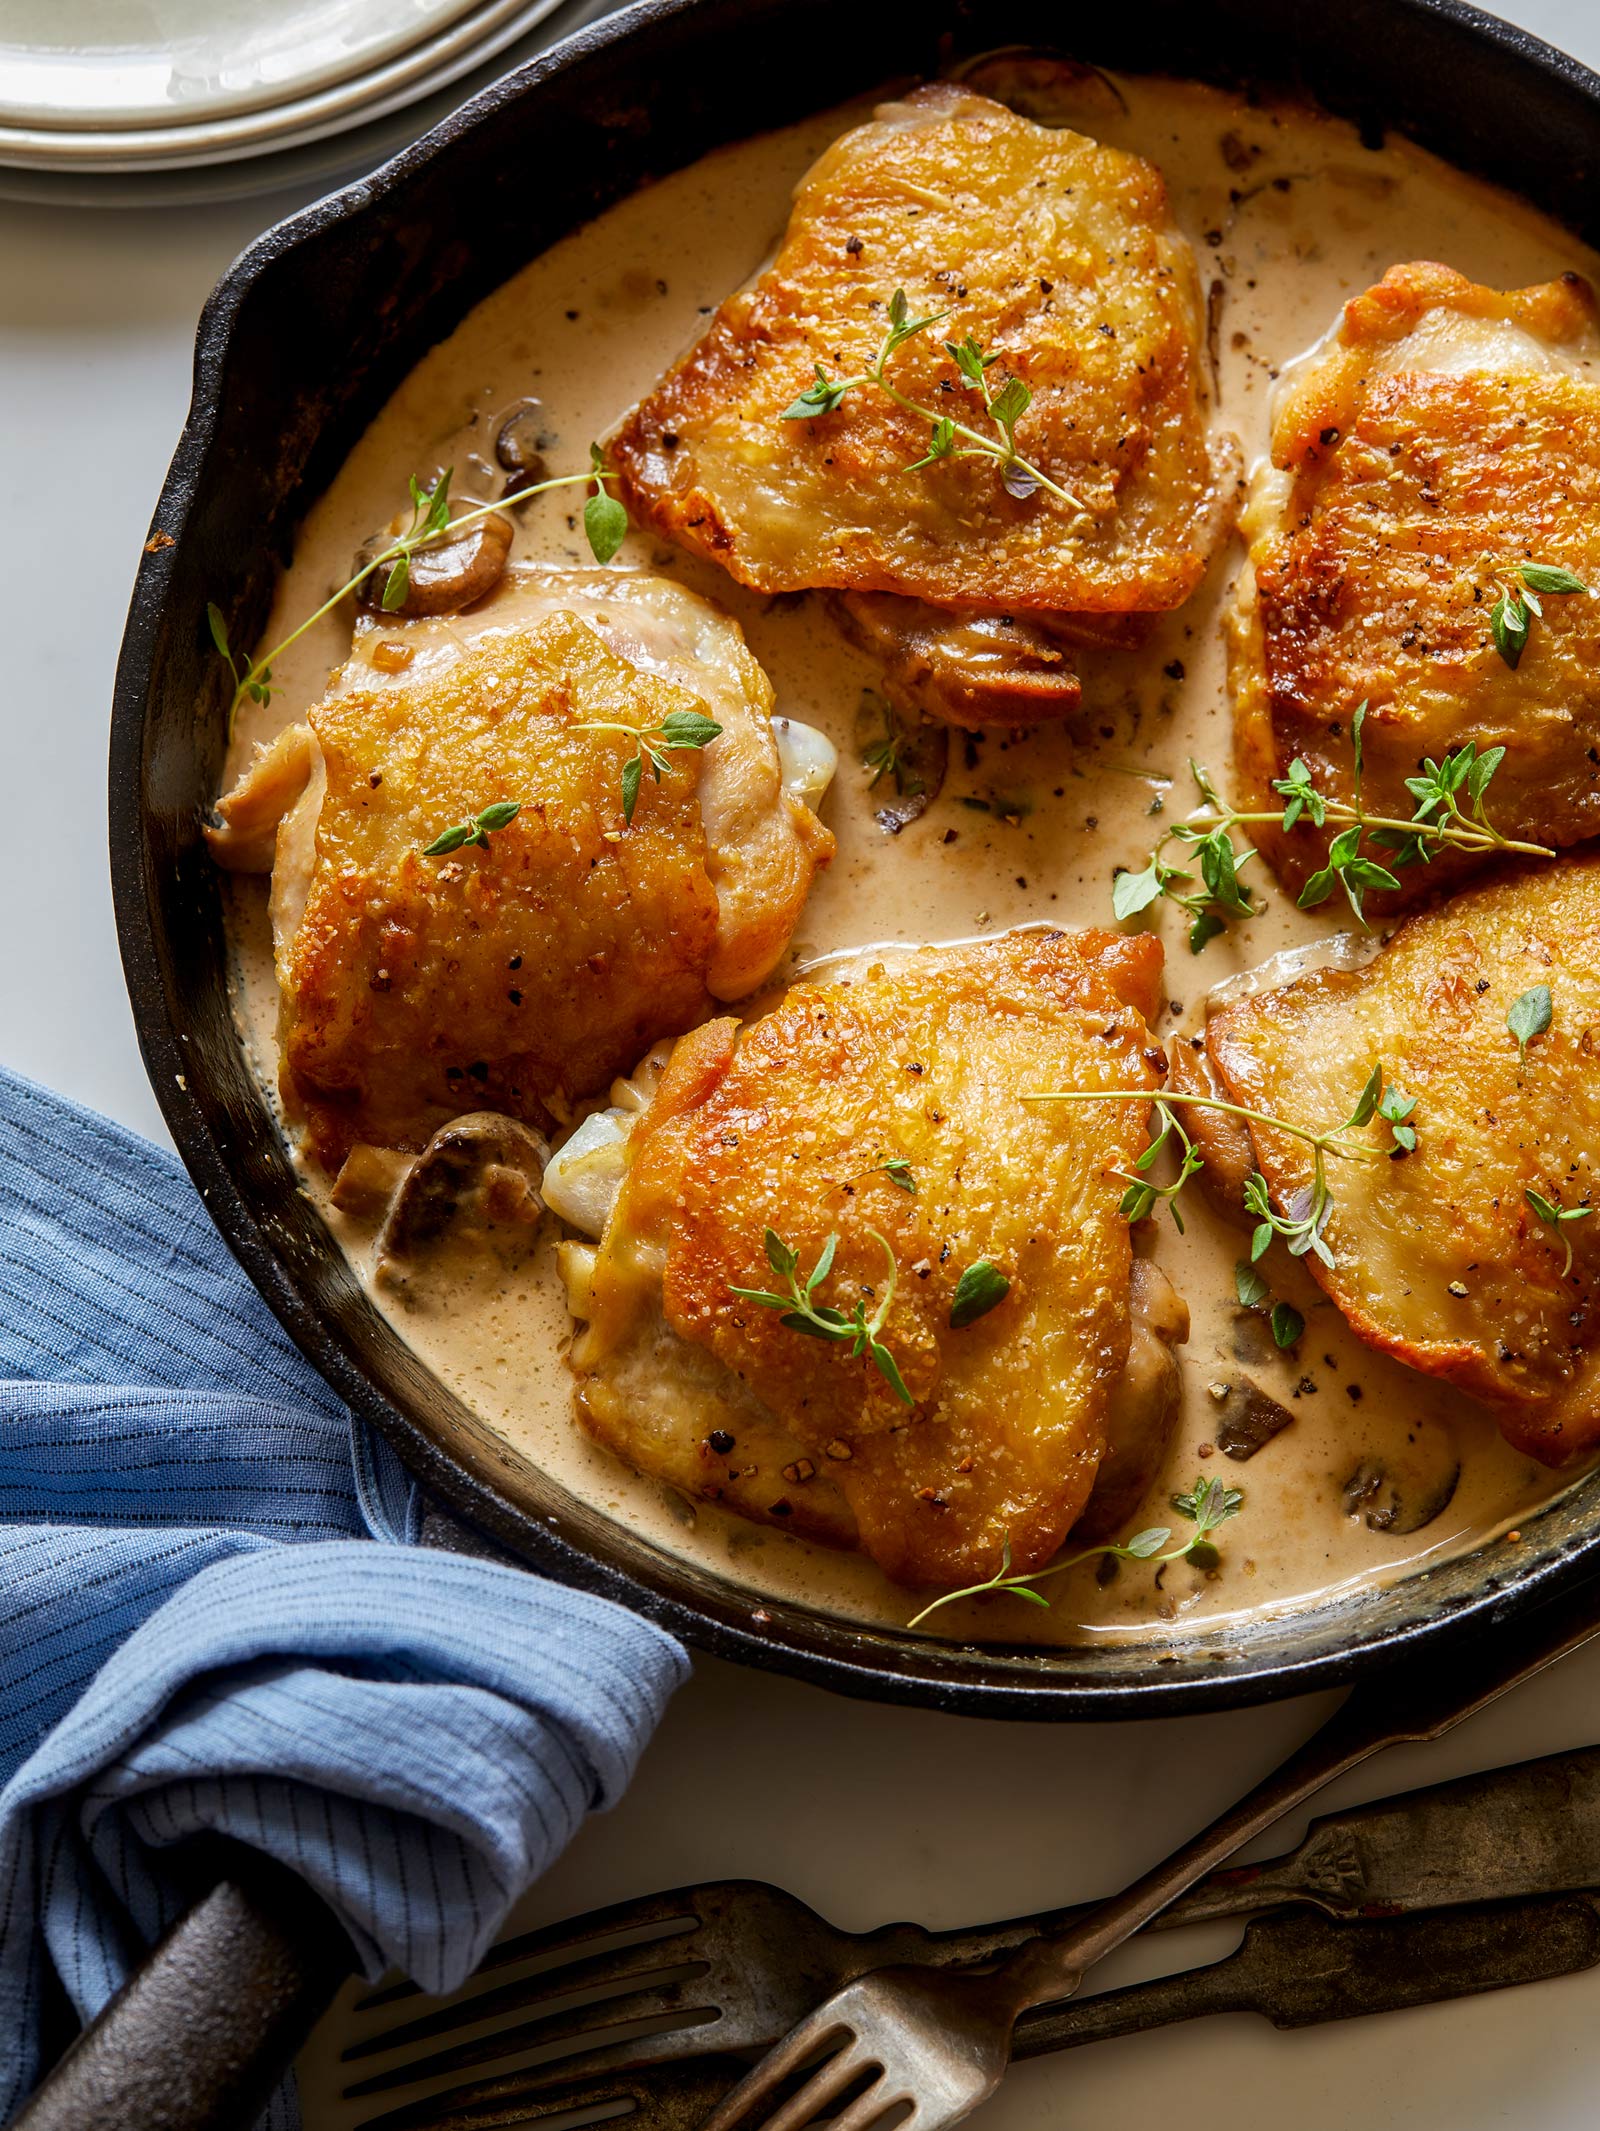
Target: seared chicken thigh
pixel 1058 256
pixel 521 973
pixel 1440 1257
pixel 1441 438
pixel 886 1108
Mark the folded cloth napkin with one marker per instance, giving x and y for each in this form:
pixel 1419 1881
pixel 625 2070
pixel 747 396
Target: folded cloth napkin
pixel 198 1632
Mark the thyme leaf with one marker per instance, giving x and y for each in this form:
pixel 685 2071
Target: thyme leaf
pixel 477 829
pixel 1517 602
pixel 1301 1223
pixel 1530 1016
pixel 679 731
pixel 947 437
pixel 1363 857
pixel 981 1288
pixel 1206 1505
pixel 1554 1218
pixel 799 1313
pixel 430 521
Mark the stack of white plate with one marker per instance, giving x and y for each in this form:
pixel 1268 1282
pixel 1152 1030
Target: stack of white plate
pixel 177 100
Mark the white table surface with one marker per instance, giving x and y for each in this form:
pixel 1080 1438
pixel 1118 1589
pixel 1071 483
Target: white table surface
pixel 868 1813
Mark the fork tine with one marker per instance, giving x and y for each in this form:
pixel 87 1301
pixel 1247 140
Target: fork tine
pixel 674 1905
pixel 648 2004
pixel 673 2098
pixel 828 2081
pixel 783 2058
pixel 624 1964
pixel 868 2107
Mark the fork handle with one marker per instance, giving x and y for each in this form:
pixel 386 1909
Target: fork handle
pixel 1341 1971
pixel 1416 1700
pixel 204 2029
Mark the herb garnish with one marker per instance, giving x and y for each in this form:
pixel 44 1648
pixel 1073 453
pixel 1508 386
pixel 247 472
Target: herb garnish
pixel 981 1288
pixel 1529 1017
pixel 1249 1286
pixel 1439 823
pixel 1287 1324
pixel 1553 1216
pixel 1207 1504
pixel 1005 408
pixel 884 757
pixel 477 830
pixel 1302 1222
pixel 898 1170
pixel 1139 1200
pixel 822 1320
pixel 604 521
pixel 679 729
pixel 1508 617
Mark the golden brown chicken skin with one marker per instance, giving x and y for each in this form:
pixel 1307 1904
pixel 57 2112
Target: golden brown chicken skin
pixel 520 974
pixel 1440 1259
pixel 1057 254
pixel 924 1058
pixel 1444 434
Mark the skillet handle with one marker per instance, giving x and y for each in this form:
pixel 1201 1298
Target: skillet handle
pixel 204 2029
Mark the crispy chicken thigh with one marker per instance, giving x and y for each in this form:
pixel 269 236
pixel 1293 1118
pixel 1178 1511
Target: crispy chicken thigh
pixel 519 975
pixel 1440 436
pixel 922 1057
pixel 1441 1260
pixel 1058 255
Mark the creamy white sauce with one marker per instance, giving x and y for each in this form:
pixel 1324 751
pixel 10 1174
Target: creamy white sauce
pixel 1028 829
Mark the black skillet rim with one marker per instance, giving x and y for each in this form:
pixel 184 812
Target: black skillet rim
pixel 150 879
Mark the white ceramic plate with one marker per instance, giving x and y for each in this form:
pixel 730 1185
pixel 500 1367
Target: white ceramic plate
pixel 319 165
pixel 111 63
pixel 421 68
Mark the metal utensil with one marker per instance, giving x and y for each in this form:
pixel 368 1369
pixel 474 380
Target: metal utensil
pixel 931 2043
pixel 1296 1968
pixel 758 1959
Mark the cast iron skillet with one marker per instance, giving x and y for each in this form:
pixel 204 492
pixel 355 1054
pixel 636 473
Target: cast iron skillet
pixel 300 346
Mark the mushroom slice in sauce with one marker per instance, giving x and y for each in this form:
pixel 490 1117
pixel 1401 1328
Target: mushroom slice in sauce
pixel 1144 1405
pixel 444 578
pixel 477 1180
pixel 1405 1494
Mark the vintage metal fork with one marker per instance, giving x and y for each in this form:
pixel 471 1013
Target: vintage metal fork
pixel 926 2045
pixel 1294 1968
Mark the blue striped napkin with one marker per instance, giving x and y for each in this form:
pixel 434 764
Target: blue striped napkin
pixel 198 1632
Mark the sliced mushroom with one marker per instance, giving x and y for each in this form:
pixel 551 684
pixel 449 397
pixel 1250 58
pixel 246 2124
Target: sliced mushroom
pixel 1402 1494
pixel 519 444
pixel 478 1179
pixel 1044 86
pixel 1249 1420
pixel 907 757
pixel 446 577
pixel 1144 1406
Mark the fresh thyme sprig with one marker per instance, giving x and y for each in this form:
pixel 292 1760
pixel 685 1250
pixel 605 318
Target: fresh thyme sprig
pixel 820 1320
pixel 1140 1199
pixel 1518 587
pixel 477 830
pixel 896 1168
pixel 1554 1217
pixel 947 438
pixel 679 730
pixel 1440 822
pixel 1207 1504
pixel 1302 1222
pixel 886 757
pixel 604 522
